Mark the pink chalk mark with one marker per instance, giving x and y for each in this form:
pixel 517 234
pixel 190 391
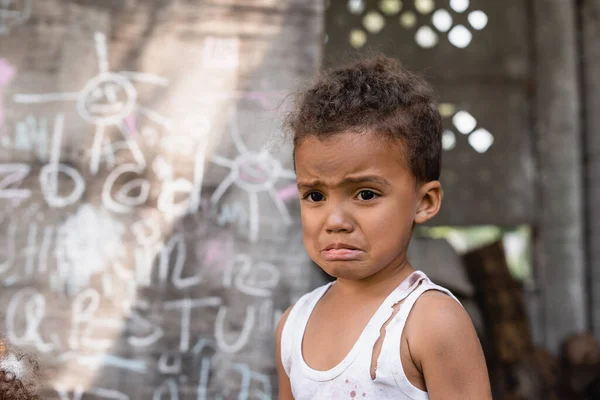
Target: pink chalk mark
pixel 131 124
pixel 213 252
pixel 217 250
pixel 288 192
pixel 7 73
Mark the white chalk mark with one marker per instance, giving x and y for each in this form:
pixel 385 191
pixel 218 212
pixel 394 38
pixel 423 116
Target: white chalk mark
pixel 230 270
pixel 235 133
pixel 137 153
pixel 246 279
pixel 266 316
pixel 34 310
pixel 49 173
pixel 242 339
pixel 166 367
pixel 146 233
pixel 166 199
pixel 155 117
pixel 149 339
pixel 10 247
pixel 14 175
pixel 254 217
pixel 145 77
pixel 11 18
pixel 63 392
pixel 45 98
pixel 222 161
pixel 53 199
pixel 186 305
pixel 169 386
pixel 223 186
pixel 196 196
pixel 107 286
pixel 108 394
pixel 231 213
pixel 106 99
pixel 108 360
pixel 101 52
pixel 220 52
pixel 45 249
pixel 31 249
pixel 83 312
pixel 280 206
pixel 59 123
pixel 96 151
pixel 122 202
pixel 205 365
pixel 178 281
pixel 286 174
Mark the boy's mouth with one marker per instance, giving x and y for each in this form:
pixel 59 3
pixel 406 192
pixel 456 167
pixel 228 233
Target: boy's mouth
pixel 341 252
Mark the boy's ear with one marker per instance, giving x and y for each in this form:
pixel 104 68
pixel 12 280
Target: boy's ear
pixel 429 201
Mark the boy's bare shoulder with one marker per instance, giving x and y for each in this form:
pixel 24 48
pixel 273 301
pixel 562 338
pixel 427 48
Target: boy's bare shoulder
pixel 445 347
pixel 437 319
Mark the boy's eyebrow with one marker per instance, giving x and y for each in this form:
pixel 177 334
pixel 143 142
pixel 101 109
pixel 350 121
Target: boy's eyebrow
pixel 349 180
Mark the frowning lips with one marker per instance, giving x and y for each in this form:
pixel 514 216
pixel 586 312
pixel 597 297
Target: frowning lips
pixel 341 252
pixel 338 246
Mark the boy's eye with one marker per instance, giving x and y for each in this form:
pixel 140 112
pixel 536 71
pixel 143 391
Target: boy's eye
pixel 314 196
pixel 366 195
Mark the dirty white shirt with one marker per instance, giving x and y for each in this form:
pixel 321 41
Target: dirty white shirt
pixel 351 378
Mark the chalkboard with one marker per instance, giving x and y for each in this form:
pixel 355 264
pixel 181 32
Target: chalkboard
pixel 149 228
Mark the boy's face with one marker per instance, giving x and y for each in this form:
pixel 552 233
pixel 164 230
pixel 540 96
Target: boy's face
pixel 359 201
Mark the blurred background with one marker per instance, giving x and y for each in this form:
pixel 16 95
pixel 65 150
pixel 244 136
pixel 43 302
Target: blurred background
pixel 149 221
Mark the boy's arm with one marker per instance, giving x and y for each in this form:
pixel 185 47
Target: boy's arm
pixel 444 346
pixel 285 389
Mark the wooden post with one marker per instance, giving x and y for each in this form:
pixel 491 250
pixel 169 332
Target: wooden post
pixel 517 368
pixel 590 13
pixel 560 244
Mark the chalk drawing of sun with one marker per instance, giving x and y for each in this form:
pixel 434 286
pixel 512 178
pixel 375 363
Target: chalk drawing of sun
pixel 255 173
pixel 107 99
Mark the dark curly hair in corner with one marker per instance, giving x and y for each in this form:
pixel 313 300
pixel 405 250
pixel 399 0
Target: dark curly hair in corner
pixel 374 95
pixel 13 388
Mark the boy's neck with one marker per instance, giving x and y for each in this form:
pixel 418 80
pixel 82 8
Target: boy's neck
pixel 376 285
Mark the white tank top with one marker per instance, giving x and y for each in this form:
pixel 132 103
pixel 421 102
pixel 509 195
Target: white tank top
pixel 351 378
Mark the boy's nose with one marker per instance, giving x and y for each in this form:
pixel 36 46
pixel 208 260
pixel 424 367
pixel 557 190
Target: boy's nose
pixel 338 221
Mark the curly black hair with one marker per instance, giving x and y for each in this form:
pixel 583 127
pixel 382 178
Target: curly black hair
pixel 18 388
pixel 378 95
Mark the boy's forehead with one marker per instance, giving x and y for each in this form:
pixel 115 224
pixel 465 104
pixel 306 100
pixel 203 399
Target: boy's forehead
pixel 348 153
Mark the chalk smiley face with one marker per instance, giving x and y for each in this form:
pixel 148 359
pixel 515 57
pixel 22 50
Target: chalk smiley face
pixel 256 171
pixel 107 99
pixel 13 13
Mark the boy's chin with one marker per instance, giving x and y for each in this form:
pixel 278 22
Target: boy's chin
pixel 350 270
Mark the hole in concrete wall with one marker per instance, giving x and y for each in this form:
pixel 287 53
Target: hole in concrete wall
pixel 424 6
pixel 358 38
pixel 448 140
pixel 478 20
pixel 442 20
pixel 459 5
pixel 356 6
pixel 481 140
pixel 516 241
pixel 426 37
pixel 446 109
pixel 408 19
pixel 373 22
pixel 390 7
pixel 460 36
pixel 464 122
